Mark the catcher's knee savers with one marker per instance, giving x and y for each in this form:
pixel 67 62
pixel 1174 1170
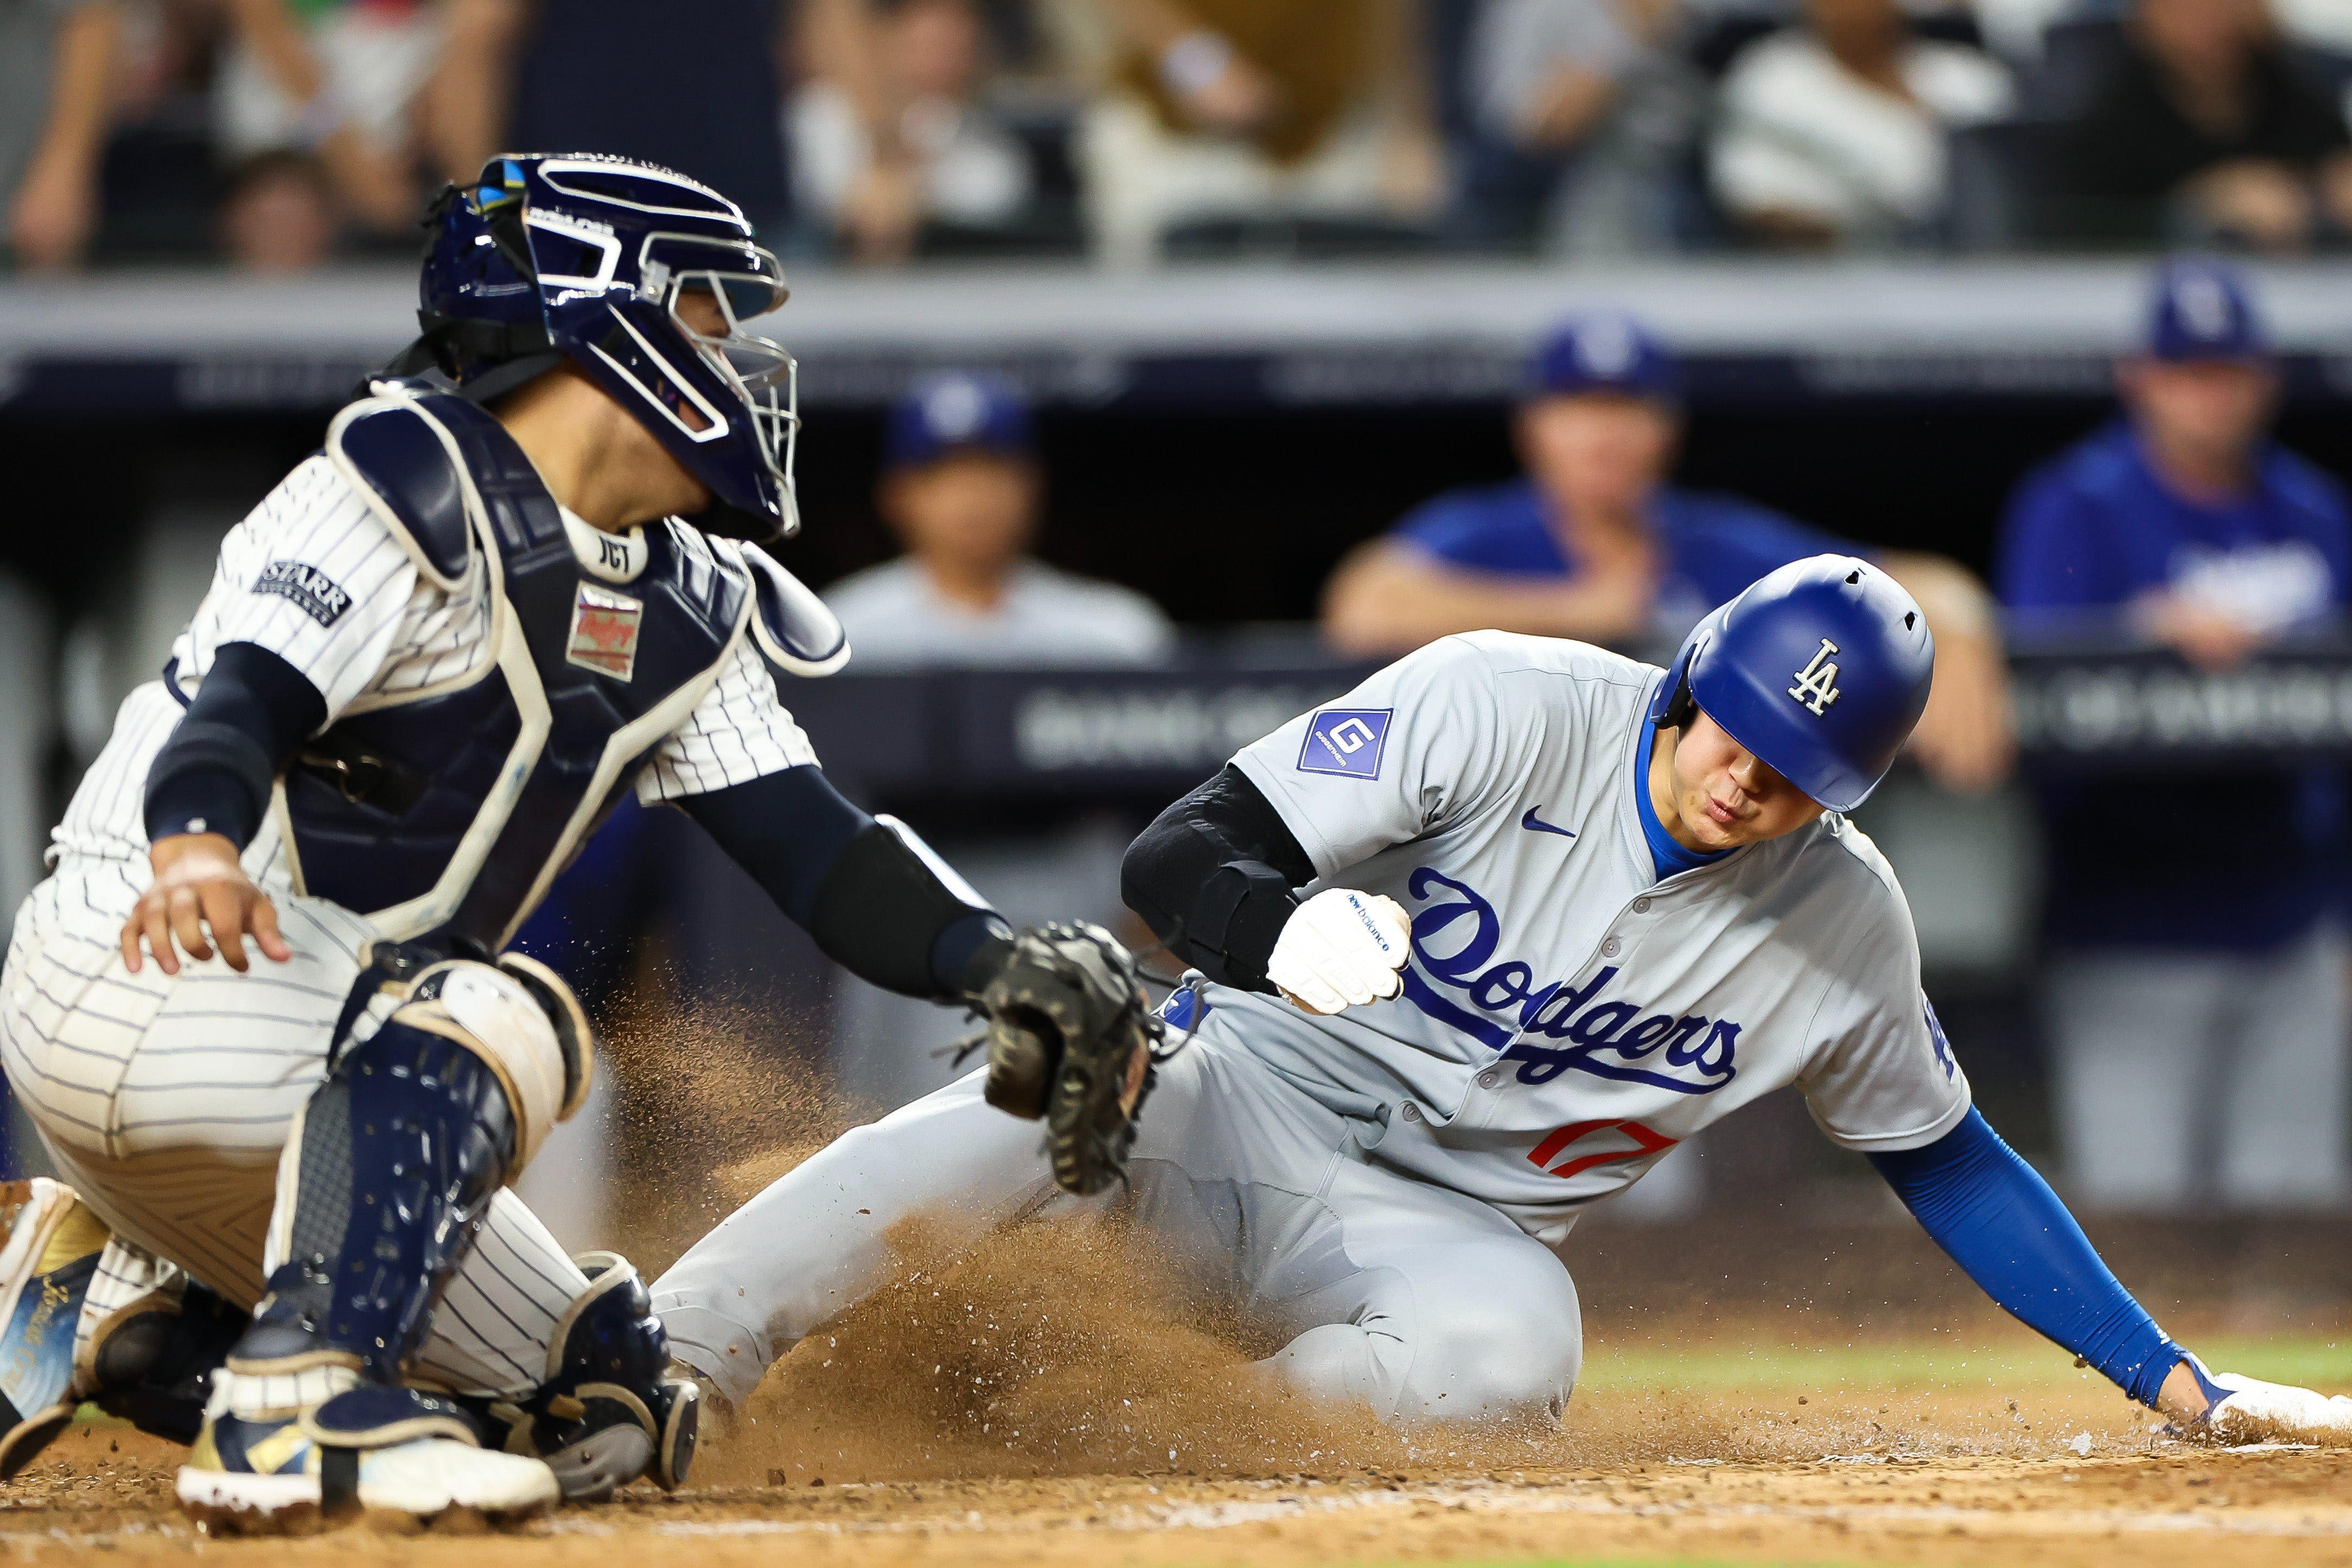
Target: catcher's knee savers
pixel 608 1411
pixel 386 1179
pixel 516 1016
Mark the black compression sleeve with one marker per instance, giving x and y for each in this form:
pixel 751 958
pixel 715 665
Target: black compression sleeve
pixel 787 830
pixel 214 771
pixel 873 904
pixel 1213 878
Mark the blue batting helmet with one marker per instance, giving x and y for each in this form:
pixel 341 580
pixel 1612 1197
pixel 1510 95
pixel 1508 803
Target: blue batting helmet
pixel 1820 668
pixel 550 257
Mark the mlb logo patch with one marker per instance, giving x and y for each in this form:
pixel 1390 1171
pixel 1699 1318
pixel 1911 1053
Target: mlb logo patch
pixel 1347 740
pixel 604 632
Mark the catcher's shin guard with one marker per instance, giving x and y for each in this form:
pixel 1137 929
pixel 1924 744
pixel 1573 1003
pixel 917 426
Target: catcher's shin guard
pixel 611 1409
pixel 385 1185
pixel 391 1171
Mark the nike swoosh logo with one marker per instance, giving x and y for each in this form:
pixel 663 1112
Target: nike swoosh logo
pixel 1530 822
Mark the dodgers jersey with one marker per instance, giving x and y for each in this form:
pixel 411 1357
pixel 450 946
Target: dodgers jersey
pixel 1566 1017
pixel 314 575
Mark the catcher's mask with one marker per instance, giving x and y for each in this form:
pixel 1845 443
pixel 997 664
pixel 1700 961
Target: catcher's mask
pixel 577 257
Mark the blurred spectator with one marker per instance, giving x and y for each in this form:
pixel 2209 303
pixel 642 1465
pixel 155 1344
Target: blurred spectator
pixel 1257 109
pixel 2315 23
pixel 56 61
pixel 693 88
pixel 2014 28
pixel 279 215
pixel 334 80
pixel 1577 119
pixel 2206 129
pixel 1595 544
pixel 2197 987
pixel 956 162
pixel 960 488
pixel 1839 132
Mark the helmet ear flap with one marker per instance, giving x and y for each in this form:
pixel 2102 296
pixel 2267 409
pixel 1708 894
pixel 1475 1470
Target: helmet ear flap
pixel 1680 707
pixel 1674 706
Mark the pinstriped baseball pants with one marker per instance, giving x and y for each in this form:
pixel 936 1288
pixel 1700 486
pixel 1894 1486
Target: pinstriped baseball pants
pixel 165 1101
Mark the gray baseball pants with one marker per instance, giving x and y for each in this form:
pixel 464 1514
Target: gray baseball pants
pixel 1421 1302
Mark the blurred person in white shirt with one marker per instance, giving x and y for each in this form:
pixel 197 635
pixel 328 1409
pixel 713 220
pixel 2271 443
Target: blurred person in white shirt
pixel 1838 132
pixel 57 58
pixel 962 490
pixel 948 158
pixel 335 80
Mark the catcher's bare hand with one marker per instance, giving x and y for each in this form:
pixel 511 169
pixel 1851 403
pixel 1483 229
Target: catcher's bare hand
pixel 199 883
pixel 1070 1035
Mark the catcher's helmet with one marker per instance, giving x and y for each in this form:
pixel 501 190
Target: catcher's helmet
pixel 551 257
pixel 1820 668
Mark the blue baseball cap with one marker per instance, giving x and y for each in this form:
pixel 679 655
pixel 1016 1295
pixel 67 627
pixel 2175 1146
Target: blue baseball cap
pixel 1604 350
pixel 954 409
pixel 2202 310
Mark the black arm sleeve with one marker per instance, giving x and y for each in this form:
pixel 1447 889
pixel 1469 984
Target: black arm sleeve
pixel 1214 877
pixel 874 905
pixel 214 772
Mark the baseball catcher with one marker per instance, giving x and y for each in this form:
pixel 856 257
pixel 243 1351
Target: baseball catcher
pixel 519 580
pixel 1477 944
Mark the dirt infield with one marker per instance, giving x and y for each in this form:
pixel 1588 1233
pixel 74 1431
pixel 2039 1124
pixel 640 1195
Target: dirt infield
pixel 1062 1396
pixel 2151 1504
pixel 1050 1400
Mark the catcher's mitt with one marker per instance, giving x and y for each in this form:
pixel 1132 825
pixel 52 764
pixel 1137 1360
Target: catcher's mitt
pixel 1070 1039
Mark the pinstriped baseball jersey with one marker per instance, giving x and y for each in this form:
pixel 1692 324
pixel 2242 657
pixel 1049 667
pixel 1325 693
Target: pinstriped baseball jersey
pixel 316 577
pixel 1566 1016
pixel 166 1099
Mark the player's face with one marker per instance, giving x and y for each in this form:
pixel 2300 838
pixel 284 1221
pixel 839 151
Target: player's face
pixel 1598 454
pixel 2215 408
pixel 1725 796
pixel 970 511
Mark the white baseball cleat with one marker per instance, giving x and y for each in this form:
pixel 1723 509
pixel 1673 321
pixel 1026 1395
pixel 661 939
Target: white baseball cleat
pixel 270 1478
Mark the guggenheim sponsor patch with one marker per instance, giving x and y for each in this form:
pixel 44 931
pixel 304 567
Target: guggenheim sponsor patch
pixel 317 595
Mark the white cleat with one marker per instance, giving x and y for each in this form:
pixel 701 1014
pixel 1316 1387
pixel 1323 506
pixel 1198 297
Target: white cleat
pixel 269 1477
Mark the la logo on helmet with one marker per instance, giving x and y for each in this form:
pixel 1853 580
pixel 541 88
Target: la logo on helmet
pixel 1816 685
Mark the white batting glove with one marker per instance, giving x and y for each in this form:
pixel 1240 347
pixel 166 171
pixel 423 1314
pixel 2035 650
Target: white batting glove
pixel 1340 949
pixel 2253 1409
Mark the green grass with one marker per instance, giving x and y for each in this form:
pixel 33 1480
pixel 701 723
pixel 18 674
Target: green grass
pixel 2009 1357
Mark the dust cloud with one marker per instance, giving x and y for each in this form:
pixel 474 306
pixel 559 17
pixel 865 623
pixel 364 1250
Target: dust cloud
pixel 1070 1345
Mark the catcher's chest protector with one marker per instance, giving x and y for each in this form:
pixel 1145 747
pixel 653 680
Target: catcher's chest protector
pixel 447 811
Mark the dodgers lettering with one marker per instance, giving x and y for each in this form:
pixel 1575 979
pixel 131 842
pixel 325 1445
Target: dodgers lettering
pixel 1689 1055
pixel 311 591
